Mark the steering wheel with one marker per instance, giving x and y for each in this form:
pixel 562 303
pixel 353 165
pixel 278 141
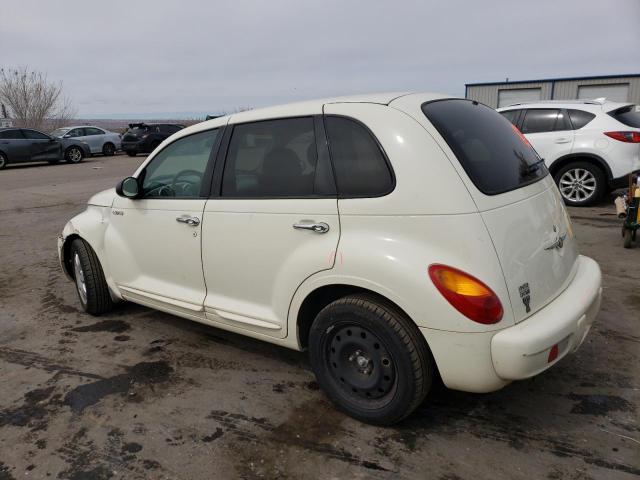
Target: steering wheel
pixel 188 185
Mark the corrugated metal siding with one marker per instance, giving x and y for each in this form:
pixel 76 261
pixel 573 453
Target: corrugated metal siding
pixel 563 89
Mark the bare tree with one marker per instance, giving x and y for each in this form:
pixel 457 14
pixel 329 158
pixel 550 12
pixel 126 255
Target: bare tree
pixel 32 100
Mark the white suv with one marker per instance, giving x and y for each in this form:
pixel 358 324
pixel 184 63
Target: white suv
pixel 590 146
pixel 392 235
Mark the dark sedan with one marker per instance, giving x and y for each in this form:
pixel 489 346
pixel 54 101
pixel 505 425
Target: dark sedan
pixel 19 145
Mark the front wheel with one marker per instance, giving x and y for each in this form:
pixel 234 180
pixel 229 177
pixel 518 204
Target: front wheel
pixel 581 183
pixel 3 161
pixel 73 155
pixel 370 359
pixel 91 285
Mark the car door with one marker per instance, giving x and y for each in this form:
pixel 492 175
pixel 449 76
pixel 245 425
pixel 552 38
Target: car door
pixel 153 241
pixel 14 145
pixel 95 138
pixel 42 146
pixel 549 131
pixel 272 223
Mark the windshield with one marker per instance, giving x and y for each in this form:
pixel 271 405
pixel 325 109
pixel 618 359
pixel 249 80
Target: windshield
pixel 493 152
pixel 629 115
pixel 60 132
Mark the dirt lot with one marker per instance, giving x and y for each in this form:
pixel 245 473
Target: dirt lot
pixel 142 394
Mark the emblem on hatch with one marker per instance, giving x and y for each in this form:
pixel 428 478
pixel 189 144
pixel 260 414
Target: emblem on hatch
pixel 525 295
pixel 117 212
pixel 558 242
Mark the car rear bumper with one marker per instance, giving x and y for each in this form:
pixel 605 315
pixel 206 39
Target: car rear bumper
pixel 484 362
pixel 523 350
pixel 137 147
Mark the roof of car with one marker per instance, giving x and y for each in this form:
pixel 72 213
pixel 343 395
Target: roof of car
pixel 598 104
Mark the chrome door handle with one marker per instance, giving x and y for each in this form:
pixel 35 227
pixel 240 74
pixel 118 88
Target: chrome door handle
pixel 191 221
pixel 314 227
pixel 563 140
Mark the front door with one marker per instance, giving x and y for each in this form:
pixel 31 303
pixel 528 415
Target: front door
pixel 549 132
pixel 274 224
pixel 43 147
pixel 153 242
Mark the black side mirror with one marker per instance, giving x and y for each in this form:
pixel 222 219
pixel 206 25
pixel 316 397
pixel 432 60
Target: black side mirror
pixel 128 188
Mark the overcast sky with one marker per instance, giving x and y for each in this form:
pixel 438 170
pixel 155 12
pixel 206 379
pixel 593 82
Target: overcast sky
pixel 156 57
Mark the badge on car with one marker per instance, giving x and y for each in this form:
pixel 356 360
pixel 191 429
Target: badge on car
pixel 525 295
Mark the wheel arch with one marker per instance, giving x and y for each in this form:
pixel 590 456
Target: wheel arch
pixel 65 255
pixel 581 157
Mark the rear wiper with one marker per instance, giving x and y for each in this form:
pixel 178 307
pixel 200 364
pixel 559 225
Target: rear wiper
pixel 534 166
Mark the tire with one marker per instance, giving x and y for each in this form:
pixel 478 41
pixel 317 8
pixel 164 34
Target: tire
pixel 581 183
pixel 73 154
pixel 131 154
pixel 108 149
pixel 370 359
pixel 627 239
pixel 91 285
pixel 3 160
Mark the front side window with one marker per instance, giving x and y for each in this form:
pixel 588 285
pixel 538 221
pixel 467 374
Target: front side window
pixel 272 159
pixel 494 154
pixel 33 135
pixel 360 166
pixel 178 169
pixel 542 120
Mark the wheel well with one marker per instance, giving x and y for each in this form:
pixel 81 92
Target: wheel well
pixel 323 296
pixel 581 157
pixel 66 253
pixel 108 143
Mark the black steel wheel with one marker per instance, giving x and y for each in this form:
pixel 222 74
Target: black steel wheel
pixel 370 359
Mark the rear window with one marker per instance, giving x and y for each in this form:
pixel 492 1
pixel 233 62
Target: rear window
pixel 629 115
pixel 495 155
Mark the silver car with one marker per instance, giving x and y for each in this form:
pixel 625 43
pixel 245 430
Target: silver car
pixel 99 140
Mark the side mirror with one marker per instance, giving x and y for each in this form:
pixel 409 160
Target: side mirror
pixel 128 188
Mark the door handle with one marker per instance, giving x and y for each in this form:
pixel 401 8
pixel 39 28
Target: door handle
pixel 314 227
pixel 563 140
pixel 191 221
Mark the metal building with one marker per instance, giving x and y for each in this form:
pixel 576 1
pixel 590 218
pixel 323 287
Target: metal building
pixel 620 88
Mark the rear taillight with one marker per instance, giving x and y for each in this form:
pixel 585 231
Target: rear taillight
pixel 467 294
pixel 628 137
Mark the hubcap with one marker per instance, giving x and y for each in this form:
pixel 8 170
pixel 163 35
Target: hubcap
pixel 75 155
pixel 577 185
pixel 79 274
pixel 359 362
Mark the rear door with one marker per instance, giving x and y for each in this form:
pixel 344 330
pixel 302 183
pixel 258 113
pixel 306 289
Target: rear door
pixel 519 203
pixel 95 138
pixel 273 223
pixel 549 131
pixel 14 145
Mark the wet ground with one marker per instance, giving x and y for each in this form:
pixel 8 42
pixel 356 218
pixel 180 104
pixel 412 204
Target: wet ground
pixel 143 394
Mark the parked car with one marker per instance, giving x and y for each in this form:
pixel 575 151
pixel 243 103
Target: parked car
pixel 590 146
pixel 145 137
pixel 100 141
pixel 393 236
pixel 20 145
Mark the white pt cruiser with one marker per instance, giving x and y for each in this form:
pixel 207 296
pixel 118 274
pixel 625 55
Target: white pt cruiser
pixel 391 235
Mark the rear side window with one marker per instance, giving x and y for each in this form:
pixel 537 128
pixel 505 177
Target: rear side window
pixel 630 116
pixel 11 135
pixel 511 115
pixel 33 135
pixel 272 159
pixel 541 120
pixel 579 118
pixel 360 166
pixel 494 154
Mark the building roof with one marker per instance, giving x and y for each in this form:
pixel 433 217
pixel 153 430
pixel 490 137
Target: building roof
pixel 560 79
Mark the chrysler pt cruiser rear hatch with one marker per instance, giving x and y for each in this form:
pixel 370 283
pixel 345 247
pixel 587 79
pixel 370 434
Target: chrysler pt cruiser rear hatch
pixel 515 195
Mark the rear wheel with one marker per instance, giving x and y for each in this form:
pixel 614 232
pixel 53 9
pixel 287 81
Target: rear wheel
pixel 73 155
pixel 370 359
pixel 108 149
pixel 581 183
pixel 3 160
pixel 91 285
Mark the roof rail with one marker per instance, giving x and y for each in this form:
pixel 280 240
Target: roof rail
pixel 595 101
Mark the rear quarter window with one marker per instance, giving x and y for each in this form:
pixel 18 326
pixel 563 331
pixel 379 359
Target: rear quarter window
pixel 494 154
pixel 579 118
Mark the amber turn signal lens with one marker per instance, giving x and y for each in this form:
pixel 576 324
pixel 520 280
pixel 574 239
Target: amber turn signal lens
pixel 467 294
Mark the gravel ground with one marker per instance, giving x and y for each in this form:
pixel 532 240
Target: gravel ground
pixel 143 394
